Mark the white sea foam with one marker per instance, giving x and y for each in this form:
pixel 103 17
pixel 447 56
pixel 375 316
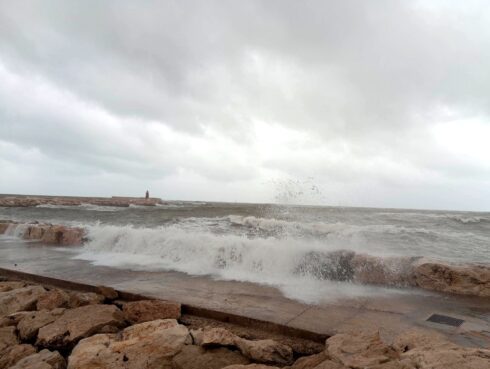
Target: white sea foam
pixel 269 261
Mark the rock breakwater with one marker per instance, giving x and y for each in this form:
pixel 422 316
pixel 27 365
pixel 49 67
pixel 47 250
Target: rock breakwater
pixel 105 336
pixel 29 201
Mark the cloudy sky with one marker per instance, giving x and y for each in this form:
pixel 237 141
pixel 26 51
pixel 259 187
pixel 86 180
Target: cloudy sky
pixel 375 103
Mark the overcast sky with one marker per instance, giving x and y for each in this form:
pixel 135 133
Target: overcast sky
pixel 375 103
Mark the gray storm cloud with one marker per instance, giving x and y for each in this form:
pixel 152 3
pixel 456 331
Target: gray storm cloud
pixel 383 103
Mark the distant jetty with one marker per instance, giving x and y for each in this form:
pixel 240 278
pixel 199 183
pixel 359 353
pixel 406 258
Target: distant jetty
pixel 119 201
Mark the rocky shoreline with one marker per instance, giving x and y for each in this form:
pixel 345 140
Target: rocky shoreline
pixel 44 327
pixel 469 279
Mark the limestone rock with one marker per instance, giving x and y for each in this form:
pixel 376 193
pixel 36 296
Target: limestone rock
pixel 149 345
pixel 334 265
pixel 359 350
pixel 108 292
pixel 64 236
pixel 14 353
pixel 195 357
pixel 30 324
pixel 464 280
pixel 44 359
pixel 53 299
pixel 13 319
pixel 309 362
pixel 147 310
pixel 7 338
pixel 11 285
pixel 78 323
pixel 266 351
pixel 218 337
pixel 426 350
pixel 196 335
pixel 398 271
pixel 250 366
pixel 84 298
pixel 329 364
pixel 35 232
pixel 4 226
pixel 21 299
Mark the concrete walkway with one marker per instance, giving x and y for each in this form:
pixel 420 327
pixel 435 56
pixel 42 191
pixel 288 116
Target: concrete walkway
pixel 391 314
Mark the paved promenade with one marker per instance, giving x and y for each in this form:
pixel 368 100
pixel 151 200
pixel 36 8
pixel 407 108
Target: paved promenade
pixel 391 314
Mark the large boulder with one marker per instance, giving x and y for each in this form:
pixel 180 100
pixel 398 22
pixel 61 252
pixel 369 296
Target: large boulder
pixel 216 337
pixel 20 299
pixel 13 354
pixel 427 350
pixel 360 350
pixel 4 226
pixel 108 292
pixel 78 323
pixel 149 345
pixel 31 322
pixel 53 299
pixel 35 231
pixel 266 351
pixel 64 236
pixel 147 310
pixel 195 357
pixel 57 298
pixel 7 338
pixel 464 280
pixel 44 359
pixel 397 271
pixel 335 265
pixel 11 285
pixel 13 319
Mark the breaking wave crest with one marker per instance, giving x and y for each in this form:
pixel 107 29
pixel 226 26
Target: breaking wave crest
pixel 267 260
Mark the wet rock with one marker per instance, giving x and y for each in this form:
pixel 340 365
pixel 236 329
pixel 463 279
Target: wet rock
pixel 108 292
pixel 61 235
pixel 13 354
pixel 195 357
pixel 4 226
pixel 218 337
pixel 11 285
pixel 78 323
pixel 31 322
pixel 7 338
pixel 426 350
pixel 463 280
pixel 35 232
pixel 359 350
pixel 21 299
pixel 147 310
pixel 149 345
pixel 44 359
pixel 398 271
pixel 266 351
pixel 327 265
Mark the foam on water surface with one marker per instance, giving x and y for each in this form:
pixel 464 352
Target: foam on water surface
pixel 283 246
